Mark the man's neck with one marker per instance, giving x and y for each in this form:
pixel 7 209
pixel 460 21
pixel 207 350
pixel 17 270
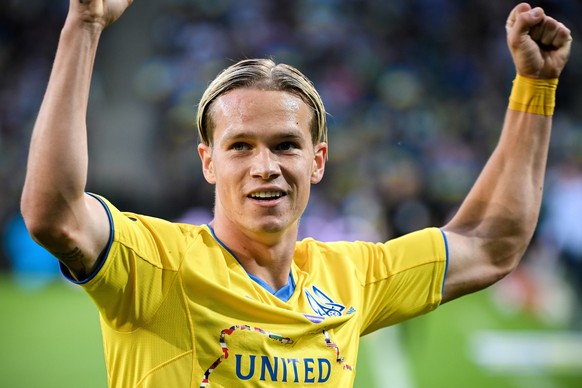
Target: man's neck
pixel 267 256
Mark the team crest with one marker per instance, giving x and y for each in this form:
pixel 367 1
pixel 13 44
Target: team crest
pixel 323 305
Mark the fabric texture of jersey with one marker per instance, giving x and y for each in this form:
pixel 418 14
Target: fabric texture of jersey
pixel 178 310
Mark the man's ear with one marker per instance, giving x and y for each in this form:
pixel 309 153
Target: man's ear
pixel 319 163
pixel 205 152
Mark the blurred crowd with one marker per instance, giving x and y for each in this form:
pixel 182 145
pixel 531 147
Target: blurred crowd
pixel 416 91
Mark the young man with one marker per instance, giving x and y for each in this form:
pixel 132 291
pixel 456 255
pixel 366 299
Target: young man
pixel 239 301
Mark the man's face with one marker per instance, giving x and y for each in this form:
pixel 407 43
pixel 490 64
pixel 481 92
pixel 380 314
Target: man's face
pixel 262 160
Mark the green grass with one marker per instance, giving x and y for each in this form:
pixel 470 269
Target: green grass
pixel 437 348
pixel 51 338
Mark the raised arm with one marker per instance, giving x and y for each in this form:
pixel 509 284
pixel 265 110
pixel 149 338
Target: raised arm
pixel 493 227
pixel 59 215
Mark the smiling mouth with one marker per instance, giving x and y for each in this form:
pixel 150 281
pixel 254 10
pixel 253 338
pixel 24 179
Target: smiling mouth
pixel 267 195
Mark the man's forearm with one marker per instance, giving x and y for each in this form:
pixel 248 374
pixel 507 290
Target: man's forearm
pixel 506 198
pixel 493 227
pixel 57 165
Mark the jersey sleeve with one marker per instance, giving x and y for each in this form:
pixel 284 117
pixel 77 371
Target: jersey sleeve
pixel 398 279
pixel 139 266
pixel 402 278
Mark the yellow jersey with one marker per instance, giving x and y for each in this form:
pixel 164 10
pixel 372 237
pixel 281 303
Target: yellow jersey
pixel 178 310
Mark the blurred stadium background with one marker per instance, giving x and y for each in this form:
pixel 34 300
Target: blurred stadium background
pixel 416 92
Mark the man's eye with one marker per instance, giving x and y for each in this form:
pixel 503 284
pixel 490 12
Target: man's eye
pixel 240 146
pixel 287 146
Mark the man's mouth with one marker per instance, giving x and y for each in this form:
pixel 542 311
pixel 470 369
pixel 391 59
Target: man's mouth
pixel 267 195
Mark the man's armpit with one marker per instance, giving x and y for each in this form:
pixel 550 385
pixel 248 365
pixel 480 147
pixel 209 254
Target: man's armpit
pixel 74 261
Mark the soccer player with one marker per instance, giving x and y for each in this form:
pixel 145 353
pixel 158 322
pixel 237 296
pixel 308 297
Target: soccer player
pixel 240 301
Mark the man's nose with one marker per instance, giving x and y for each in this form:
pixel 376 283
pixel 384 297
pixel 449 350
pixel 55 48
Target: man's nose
pixel 265 164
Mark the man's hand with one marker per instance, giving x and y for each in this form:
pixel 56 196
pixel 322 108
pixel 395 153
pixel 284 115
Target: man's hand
pixel 97 13
pixel 539 44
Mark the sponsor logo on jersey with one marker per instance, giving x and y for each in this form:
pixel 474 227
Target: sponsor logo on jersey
pixel 295 370
pixel 308 370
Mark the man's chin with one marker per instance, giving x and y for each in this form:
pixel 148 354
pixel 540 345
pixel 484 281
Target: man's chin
pixel 272 227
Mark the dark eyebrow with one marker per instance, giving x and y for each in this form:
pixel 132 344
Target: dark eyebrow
pixel 292 135
pixel 288 135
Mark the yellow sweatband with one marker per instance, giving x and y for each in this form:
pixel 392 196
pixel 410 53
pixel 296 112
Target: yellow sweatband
pixel 533 95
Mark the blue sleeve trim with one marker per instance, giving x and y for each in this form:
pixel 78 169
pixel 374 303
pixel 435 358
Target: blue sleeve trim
pixel 102 258
pixel 447 261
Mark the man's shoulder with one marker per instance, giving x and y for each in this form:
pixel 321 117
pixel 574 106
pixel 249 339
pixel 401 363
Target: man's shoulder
pixel 329 246
pixel 335 252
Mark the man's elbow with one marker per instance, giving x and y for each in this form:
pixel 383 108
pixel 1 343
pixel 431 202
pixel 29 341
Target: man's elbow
pixel 507 245
pixel 42 228
pixel 505 263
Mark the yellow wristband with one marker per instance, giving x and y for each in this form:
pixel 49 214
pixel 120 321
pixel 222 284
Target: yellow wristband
pixel 533 95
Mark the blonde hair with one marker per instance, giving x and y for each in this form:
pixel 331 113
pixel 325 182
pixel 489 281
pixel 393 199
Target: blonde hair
pixel 262 74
